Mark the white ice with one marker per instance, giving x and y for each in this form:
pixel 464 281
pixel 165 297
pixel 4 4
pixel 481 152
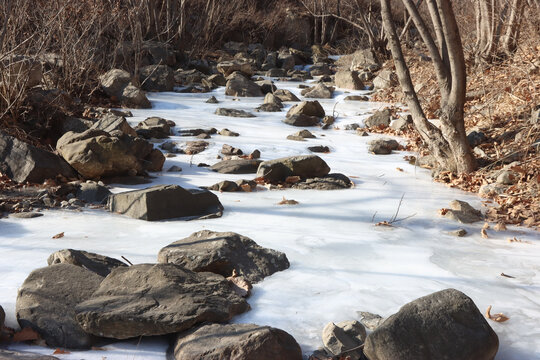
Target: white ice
pixel 341 263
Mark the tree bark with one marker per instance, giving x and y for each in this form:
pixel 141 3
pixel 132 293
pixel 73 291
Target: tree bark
pixel 448 145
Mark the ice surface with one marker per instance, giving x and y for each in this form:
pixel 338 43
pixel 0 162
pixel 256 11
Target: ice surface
pixel 341 263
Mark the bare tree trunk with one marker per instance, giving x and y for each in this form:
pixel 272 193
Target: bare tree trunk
pixel 449 145
pixel 510 38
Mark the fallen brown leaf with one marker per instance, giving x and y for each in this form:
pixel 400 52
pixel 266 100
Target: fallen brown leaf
pixel 501 226
pixel 287 202
pixel 60 351
pixel 499 317
pixel 241 286
pixel 383 223
pixel 484 233
pixel 399 169
pixel 25 334
pixel 59 235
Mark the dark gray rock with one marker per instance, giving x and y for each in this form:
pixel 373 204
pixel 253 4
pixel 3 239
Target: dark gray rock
pixel 319 149
pixel 162 202
pixel 110 122
pixel 386 79
pixel 25 215
pixel 344 336
pixel 304 166
pixel 370 320
pixel 239 85
pixel 276 72
pixel 348 80
pixel 463 212
pixel 154 127
pixel 267 86
pixel 134 97
pixel 2 317
pixel 114 81
pixel 285 95
pixel 230 150
pixel 74 124
pixel 46 302
pixel 301 135
pixel 309 108
pixel 240 166
pixel 157 78
pixel 23 162
pixel 302 120
pixel 233 186
pixel 269 108
pixel 212 100
pixel 99 264
pixel 195 147
pixel 238 341
pixel 92 192
pixel 227 132
pixel 379 118
pixel 328 182
pixel 319 69
pixel 229 67
pixel 444 325
pixel 157 299
pixel 319 91
pixel 383 146
pixel 356 98
pixel 476 138
pixel 96 153
pixel 233 113
pixel 223 252
pixel 23 355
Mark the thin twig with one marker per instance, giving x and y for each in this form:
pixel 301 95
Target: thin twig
pixel 129 262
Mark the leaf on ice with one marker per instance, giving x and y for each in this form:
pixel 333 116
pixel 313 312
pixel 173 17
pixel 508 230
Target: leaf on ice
pixel 499 317
pixel 59 235
pixel 484 233
pixel 501 226
pixel 287 202
pixel 59 351
pixel 383 223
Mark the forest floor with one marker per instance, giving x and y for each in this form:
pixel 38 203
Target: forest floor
pixel 500 102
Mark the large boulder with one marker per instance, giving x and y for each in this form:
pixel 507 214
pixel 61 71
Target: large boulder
pixel 223 252
pixel 228 67
pixel 96 153
pixel 157 299
pixel 235 341
pixel 99 264
pixel 444 325
pixel 23 162
pixel 309 108
pixel 166 202
pixel 154 127
pixel 360 59
pixel 319 91
pixel 236 166
pixel 117 84
pixel 348 80
pixel 239 85
pixel 379 118
pixel 304 166
pixel 285 95
pixel 111 122
pixel 46 302
pixel 156 78
pixel 386 78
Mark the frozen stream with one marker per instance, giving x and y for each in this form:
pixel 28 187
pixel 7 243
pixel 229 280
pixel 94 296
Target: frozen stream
pixel 340 262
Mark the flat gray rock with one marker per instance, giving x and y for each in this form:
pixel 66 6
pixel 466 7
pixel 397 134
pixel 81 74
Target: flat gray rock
pixel 223 252
pixel 463 212
pixel 157 299
pixel 46 302
pixel 235 341
pixel 443 325
pixel 162 202
pixel 240 166
pixel 233 113
pixel 328 182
